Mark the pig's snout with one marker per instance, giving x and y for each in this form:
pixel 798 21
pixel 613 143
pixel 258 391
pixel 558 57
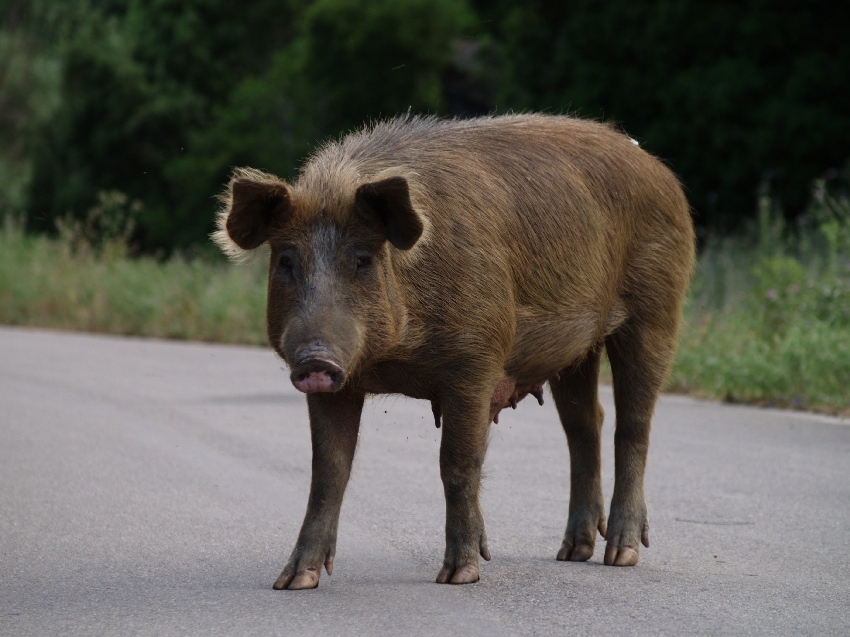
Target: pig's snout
pixel 315 373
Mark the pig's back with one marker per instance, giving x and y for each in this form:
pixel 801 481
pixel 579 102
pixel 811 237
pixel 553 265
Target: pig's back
pixel 563 201
pixel 538 226
pixel 530 182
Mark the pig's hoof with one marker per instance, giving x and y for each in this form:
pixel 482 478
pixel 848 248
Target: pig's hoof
pixel 575 553
pixel 580 538
pixel 622 548
pixel 621 556
pixel 297 580
pixel 460 562
pixel 302 573
pixel 466 574
pixel 463 570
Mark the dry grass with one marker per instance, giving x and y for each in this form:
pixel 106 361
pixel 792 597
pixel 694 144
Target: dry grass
pixel 54 283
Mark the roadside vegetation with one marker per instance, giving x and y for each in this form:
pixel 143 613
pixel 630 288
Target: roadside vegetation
pixel 769 314
pixel 86 279
pixel 768 320
pixel 119 120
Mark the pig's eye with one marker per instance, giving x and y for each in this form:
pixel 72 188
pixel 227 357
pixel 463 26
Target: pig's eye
pixel 363 262
pixel 285 262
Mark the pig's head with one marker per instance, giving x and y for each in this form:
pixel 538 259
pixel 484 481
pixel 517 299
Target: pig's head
pixel 333 300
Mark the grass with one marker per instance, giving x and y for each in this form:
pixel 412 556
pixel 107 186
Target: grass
pixel 58 283
pixel 768 318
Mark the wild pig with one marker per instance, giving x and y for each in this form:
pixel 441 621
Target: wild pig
pixel 468 263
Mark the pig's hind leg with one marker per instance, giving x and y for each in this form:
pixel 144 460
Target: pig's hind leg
pixel 575 393
pixel 640 353
pixel 334 425
pixel 466 423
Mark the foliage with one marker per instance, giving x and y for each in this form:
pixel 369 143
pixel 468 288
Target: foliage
pixel 136 78
pixel 161 98
pixel 729 93
pixel 112 222
pixel 85 281
pixel 158 99
pixel 769 319
pixel 29 95
pixel 349 59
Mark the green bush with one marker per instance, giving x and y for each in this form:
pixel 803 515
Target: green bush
pixel 350 60
pixel 136 78
pixel 769 317
pixel 158 99
pixel 728 93
pixel 85 281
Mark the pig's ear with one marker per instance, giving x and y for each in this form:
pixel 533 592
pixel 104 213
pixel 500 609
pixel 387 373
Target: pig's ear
pixel 388 202
pixel 253 202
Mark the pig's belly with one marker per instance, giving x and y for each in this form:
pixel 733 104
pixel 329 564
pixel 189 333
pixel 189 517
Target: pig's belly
pixel 546 343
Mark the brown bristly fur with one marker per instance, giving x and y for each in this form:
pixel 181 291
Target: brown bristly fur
pixel 545 239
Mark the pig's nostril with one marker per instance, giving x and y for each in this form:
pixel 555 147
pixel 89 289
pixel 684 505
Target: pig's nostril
pixel 317 375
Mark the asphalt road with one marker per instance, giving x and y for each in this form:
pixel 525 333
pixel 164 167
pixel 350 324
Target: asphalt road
pixel 156 488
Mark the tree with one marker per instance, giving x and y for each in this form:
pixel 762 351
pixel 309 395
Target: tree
pixel 159 99
pixel 350 61
pixel 730 94
pixel 137 77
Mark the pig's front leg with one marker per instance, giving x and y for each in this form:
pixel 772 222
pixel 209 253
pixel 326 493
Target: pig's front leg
pixel 465 426
pixel 334 424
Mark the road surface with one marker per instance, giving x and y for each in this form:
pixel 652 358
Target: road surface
pixel 156 488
